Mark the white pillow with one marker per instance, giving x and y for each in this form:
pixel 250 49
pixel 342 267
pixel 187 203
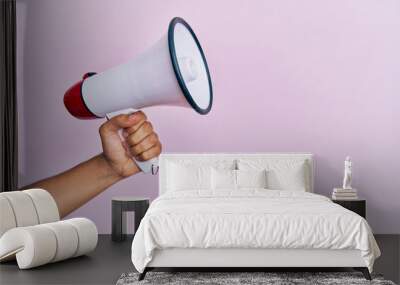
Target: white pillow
pixel 188 177
pixel 251 178
pixel 223 179
pixel 282 174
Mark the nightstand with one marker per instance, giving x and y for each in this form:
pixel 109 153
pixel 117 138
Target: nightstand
pixel 357 206
pixel 126 204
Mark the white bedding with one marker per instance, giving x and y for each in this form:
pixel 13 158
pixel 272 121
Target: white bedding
pixel 250 218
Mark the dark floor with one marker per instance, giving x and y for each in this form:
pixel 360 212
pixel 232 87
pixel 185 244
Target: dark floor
pixel 389 262
pixel 110 260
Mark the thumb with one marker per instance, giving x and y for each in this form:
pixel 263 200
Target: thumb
pixel 122 121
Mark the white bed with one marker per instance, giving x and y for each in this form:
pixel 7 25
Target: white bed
pixel 199 226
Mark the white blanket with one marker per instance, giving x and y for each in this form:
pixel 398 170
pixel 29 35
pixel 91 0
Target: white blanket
pixel 250 218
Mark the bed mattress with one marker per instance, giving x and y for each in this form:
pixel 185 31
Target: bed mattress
pixel 251 219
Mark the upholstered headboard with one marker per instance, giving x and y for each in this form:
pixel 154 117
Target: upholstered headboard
pixel 205 158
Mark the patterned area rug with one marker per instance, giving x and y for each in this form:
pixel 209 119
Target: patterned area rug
pixel 269 278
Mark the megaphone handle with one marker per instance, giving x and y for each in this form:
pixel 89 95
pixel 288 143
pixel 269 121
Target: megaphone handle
pixel 148 166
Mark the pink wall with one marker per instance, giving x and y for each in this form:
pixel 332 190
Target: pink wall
pixel 315 76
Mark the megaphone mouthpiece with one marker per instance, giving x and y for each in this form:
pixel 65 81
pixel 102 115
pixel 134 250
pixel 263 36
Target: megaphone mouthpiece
pixel 74 102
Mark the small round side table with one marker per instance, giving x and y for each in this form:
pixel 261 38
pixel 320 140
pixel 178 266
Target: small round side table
pixel 123 204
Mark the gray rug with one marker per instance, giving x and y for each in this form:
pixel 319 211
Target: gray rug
pixel 269 278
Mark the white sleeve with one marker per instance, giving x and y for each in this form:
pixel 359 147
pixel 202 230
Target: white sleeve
pixel 37 245
pixel 67 240
pixel 7 218
pixel 26 208
pixel 87 234
pixel 23 208
pixel 33 246
pixel 46 207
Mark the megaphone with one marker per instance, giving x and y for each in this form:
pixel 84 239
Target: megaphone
pixel 173 72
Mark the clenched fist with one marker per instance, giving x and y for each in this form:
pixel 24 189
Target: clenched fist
pixel 140 141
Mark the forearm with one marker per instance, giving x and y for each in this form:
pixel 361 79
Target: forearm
pixel 73 188
pixel 76 186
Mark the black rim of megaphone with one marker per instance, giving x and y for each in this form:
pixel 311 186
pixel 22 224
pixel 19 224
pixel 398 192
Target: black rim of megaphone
pixel 177 71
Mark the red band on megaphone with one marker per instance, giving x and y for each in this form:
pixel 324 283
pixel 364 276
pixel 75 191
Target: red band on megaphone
pixel 74 102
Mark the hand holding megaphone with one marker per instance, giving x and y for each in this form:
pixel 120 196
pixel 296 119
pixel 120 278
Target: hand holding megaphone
pixel 173 72
pixel 128 138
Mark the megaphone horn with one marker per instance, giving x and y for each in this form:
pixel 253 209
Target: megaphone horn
pixel 173 71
